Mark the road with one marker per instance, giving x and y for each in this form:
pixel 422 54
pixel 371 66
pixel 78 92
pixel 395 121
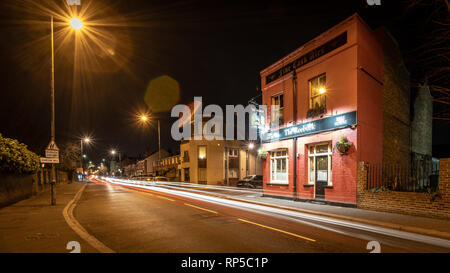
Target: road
pixel 139 218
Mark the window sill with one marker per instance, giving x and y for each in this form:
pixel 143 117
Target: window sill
pixel 312 185
pixel 274 183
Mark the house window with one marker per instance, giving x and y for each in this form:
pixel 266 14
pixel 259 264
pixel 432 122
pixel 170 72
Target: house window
pixel 186 156
pixel 233 153
pixel 279 167
pixel 317 92
pixel 277 110
pixel 319 163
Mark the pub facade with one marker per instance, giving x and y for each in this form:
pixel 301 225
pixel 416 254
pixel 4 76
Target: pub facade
pixel 324 114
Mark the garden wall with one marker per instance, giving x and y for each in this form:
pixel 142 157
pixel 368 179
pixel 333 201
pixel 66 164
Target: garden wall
pixel 412 203
pixel 14 188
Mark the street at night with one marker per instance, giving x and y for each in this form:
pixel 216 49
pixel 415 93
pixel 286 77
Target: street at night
pixel 223 136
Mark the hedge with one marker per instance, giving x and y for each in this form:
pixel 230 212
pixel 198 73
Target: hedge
pixel 15 158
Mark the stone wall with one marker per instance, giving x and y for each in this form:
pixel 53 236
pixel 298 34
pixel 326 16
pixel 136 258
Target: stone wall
pixel 421 127
pixel 412 203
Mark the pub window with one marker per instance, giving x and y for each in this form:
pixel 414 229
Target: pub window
pixel 319 163
pixel 277 110
pixel 279 167
pixel 317 92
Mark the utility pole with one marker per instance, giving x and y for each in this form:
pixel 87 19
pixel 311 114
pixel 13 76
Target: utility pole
pixel 52 98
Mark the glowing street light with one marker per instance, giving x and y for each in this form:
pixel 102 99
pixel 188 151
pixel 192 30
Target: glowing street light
pixel 144 118
pixel 251 146
pixel 76 23
pixel 113 152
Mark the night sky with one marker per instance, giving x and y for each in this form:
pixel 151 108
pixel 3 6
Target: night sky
pixel 213 49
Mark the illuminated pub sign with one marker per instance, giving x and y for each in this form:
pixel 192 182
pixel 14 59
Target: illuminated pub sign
pixel 308 57
pixel 313 127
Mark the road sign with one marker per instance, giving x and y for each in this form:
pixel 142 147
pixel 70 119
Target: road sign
pixel 52 146
pixel 52 160
pixel 52 150
pixel 52 153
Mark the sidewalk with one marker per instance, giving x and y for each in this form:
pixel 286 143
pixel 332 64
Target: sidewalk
pixel 422 225
pixel 33 225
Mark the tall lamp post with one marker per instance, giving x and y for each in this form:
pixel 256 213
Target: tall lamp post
pixel 114 152
pixel 76 24
pixel 83 140
pixel 144 118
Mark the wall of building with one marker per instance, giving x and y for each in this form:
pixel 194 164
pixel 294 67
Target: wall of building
pixel 214 157
pixel 369 95
pixel 348 88
pixel 396 103
pixel 411 203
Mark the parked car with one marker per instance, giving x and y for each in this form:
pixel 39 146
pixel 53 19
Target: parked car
pixel 251 181
pixel 160 178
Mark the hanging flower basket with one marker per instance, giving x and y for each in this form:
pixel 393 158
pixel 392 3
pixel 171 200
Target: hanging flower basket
pixel 263 154
pixel 343 145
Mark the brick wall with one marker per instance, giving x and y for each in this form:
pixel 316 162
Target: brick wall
pixel 396 103
pixel 412 203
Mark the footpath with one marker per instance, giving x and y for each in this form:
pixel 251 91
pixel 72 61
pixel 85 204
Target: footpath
pixel 35 226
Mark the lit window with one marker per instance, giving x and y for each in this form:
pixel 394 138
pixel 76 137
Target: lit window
pixel 201 152
pixel 279 167
pixel 277 110
pixel 319 164
pixel 317 92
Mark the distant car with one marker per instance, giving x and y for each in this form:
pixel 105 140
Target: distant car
pixel 160 178
pixel 251 181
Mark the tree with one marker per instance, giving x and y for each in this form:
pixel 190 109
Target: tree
pixel 69 157
pixel 431 55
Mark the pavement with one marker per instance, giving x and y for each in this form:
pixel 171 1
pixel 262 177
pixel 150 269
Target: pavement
pixel 34 226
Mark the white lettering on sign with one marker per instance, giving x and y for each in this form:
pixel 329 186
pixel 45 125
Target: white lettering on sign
pixel 340 121
pixel 298 130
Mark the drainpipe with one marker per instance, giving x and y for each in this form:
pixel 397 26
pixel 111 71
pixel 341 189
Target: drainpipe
pixel 294 93
pixel 295 169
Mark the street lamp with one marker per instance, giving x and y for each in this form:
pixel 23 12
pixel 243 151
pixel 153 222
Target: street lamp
pixel 113 152
pixel 83 140
pixel 76 25
pixel 144 118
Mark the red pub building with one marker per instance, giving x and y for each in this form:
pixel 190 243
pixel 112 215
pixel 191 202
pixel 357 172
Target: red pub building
pixel 325 114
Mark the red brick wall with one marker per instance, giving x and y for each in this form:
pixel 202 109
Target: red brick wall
pixel 412 203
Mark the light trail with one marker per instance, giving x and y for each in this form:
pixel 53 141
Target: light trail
pixel 293 215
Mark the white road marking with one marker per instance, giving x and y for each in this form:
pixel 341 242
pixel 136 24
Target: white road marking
pixel 78 228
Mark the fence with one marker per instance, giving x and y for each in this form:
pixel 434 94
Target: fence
pixel 420 176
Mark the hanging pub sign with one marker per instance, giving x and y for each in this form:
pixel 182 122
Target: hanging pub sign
pixel 308 57
pixel 313 127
